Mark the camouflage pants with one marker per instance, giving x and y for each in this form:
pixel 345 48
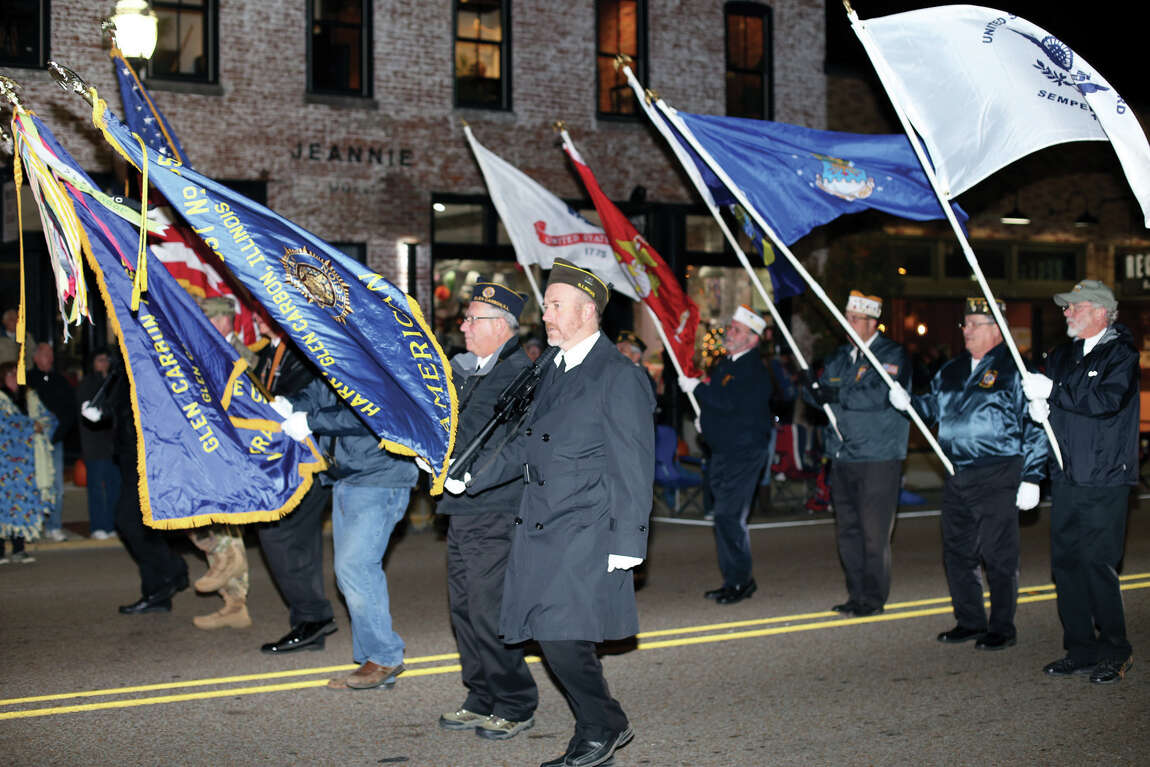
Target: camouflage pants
pixel 222 544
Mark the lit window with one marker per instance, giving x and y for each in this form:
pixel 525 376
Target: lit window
pixel 748 60
pixel 185 41
pixel 481 55
pixel 621 27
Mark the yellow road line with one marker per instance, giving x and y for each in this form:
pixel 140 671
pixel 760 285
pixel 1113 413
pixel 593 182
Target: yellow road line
pixel 1027 596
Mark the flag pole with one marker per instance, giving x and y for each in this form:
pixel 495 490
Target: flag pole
pixel 883 72
pixel 816 288
pixel 559 126
pixel 646 98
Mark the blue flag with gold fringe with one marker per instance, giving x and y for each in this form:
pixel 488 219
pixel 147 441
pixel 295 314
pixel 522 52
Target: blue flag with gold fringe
pixel 798 178
pixel 368 338
pixel 209 445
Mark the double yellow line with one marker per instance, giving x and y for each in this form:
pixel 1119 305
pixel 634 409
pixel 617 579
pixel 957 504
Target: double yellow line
pixel 447 663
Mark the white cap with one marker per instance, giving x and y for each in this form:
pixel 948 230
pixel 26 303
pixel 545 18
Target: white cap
pixel 744 316
pixel 871 306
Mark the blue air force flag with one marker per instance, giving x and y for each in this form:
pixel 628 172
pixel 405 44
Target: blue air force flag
pixel 368 338
pixel 209 447
pixel 799 178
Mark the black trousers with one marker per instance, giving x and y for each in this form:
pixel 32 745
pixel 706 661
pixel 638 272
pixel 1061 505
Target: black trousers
pixel 1087 532
pixel 495 675
pixel 980 522
pixel 158 564
pixel 733 479
pixel 293 548
pixel 598 716
pixel 865 495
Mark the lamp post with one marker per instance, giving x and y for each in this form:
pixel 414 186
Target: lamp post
pixel 135 28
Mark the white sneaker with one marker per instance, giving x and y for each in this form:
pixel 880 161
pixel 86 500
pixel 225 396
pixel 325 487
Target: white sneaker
pixel 103 535
pixel 57 535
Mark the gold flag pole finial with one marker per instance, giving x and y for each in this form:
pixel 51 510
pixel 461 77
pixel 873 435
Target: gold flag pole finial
pixel 8 88
pixel 108 27
pixel 847 5
pixel 651 95
pixel 559 125
pixel 621 59
pixel 68 80
pixel 463 123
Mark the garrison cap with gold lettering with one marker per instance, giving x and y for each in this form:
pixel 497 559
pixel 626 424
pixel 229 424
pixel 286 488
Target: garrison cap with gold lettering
pixel 871 306
pixel 627 337
pixel 979 305
pixel 217 306
pixel 499 296
pixel 566 273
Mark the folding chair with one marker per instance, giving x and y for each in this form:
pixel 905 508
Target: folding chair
pixel 677 489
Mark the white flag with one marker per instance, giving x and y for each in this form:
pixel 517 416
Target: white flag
pixel 984 88
pixel 541 226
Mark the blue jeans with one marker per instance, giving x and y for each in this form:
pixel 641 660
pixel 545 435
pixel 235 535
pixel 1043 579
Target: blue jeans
pixel 103 494
pixel 55 520
pixel 362 518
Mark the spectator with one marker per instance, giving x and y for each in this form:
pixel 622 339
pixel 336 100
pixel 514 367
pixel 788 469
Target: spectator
pixel 57 395
pixel 26 481
pixel 97 445
pixel 10 343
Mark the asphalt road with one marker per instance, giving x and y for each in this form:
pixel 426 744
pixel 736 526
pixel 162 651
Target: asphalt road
pixel 774 680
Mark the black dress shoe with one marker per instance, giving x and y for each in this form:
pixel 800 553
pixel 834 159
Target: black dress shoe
pixel 147 605
pixel 846 607
pixel 596 753
pixel 737 593
pixel 864 611
pixel 172 587
pixel 992 640
pixel 716 593
pixel 306 635
pixel 959 634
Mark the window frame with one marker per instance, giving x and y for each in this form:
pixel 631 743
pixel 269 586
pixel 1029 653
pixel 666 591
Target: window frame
pixel 639 66
pixel 766 13
pixel 504 60
pixel 211 45
pixel 43 42
pixel 367 48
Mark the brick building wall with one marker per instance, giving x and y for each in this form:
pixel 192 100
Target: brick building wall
pixel 259 124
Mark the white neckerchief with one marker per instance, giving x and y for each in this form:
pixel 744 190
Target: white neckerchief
pixel 576 354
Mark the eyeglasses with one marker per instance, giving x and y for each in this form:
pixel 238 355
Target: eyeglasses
pixel 468 320
pixel 973 325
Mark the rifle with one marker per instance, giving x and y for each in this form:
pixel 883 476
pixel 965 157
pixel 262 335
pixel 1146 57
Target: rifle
pixel 512 404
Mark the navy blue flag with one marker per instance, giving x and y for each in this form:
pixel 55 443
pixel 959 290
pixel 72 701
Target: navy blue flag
pixel 141 115
pixel 209 446
pixel 368 339
pixel 799 178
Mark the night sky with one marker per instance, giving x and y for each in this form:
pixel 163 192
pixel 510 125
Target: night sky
pixel 1104 32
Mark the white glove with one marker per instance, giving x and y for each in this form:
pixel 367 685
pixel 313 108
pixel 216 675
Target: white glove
pixel 295 426
pixel 423 465
pixel 689 385
pixel 457 486
pixel 1039 410
pixel 282 406
pixel 898 397
pixel 93 414
pixel 1036 386
pixel 621 562
pixel 698 425
pixel 1027 496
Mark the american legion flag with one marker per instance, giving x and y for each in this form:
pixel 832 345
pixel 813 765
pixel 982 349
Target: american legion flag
pixel 209 447
pixel 368 339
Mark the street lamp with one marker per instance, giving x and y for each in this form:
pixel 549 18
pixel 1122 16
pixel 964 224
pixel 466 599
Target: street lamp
pixel 135 28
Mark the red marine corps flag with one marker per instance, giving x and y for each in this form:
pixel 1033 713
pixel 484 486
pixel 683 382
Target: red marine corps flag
pixel 648 273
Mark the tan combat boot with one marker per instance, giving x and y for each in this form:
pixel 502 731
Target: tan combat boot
pixel 234 614
pixel 227 562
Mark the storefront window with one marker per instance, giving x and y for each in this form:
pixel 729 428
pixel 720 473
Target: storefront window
pixel 1048 264
pixel 992 260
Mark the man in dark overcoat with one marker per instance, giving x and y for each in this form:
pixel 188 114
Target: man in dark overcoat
pixel 501 695
pixel 586 455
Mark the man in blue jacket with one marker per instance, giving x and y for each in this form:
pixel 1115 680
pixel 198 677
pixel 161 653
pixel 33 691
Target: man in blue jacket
pixel 369 497
pixel 736 422
pixel 998 455
pixel 1090 392
pixel 867 461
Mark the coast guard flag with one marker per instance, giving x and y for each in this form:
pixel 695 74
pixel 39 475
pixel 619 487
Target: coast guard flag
pixel 209 447
pixel 645 270
pixel 368 338
pixel 799 178
pixel 541 226
pixel 180 251
pixel 984 88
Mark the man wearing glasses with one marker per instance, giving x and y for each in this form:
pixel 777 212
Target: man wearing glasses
pixel 501 694
pixel 998 454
